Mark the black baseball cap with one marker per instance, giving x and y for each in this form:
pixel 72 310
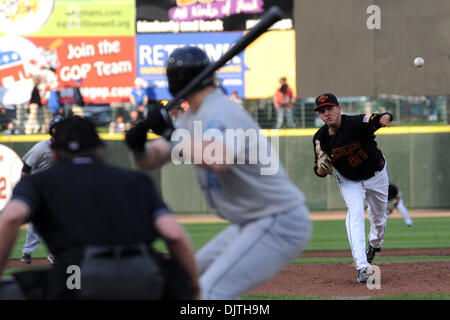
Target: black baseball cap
pixel 326 99
pixel 75 134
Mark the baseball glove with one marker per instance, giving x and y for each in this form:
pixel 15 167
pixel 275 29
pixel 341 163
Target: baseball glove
pixel 323 161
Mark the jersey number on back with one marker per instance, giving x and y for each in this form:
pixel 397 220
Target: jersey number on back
pixel 2 188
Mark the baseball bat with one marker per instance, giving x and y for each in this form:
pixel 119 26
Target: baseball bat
pixel 267 20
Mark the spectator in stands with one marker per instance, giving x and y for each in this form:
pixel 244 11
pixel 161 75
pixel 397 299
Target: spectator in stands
pixel 12 130
pixel 34 122
pixel 184 106
pixel 77 99
pixel 139 98
pixel 284 104
pixel 134 118
pixel 4 119
pixel 235 98
pixel 54 100
pixel 118 125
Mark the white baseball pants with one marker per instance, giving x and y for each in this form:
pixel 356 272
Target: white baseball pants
pixel 242 257
pixel 375 192
pixel 32 241
pixel 401 206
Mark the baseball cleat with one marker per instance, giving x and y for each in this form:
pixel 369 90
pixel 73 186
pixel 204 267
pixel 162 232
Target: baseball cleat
pixel 371 252
pixel 51 258
pixel 363 275
pixel 26 258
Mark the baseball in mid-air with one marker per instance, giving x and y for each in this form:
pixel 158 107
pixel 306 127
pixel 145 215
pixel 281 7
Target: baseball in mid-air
pixel 418 62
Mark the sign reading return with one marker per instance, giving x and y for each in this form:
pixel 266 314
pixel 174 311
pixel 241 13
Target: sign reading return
pixel 163 16
pixel 153 51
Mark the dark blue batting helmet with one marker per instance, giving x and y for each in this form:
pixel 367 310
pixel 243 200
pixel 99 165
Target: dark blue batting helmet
pixel 52 123
pixel 183 65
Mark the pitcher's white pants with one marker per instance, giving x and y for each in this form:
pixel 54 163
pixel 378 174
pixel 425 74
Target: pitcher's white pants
pixel 375 192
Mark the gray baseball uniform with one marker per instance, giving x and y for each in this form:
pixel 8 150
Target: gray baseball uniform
pixel 39 158
pixel 270 223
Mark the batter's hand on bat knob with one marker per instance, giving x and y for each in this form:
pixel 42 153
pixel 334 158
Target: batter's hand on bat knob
pixel 136 137
pixel 159 121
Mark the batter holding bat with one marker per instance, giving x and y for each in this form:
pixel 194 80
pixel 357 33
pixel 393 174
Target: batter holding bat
pixel 347 143
pixel 269 222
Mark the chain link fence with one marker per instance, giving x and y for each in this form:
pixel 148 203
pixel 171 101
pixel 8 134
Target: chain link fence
pixel 407 111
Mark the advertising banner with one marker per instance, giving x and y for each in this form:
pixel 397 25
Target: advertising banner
pixel 77 18
pixel 254 73
pixel 61 41
pixel 106 65
pixel 153 51
pixel 173 16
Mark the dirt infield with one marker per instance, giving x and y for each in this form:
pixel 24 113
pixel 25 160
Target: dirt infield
pixel 338 280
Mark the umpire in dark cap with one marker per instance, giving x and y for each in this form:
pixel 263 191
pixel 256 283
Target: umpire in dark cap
pixel 100 222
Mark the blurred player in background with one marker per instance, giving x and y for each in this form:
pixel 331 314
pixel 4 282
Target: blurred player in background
pixel 104 221
pixel 348 143
pixel 37 159
pixel 395 198
pixel 269 222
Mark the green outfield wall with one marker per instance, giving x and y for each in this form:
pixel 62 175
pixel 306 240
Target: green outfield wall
pixel 417 161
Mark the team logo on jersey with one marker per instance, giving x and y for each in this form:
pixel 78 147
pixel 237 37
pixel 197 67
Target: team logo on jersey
pixel 367 117
pixel 354 157
pixel 322 98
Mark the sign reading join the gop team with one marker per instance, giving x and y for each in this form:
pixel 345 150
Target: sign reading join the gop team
pixel 65 41
pixel 153 51
pixel 106 65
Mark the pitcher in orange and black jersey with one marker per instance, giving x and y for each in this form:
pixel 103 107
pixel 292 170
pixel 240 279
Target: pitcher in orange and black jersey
pixel 361 173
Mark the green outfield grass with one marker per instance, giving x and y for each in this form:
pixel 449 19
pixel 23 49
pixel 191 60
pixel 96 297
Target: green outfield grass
pixel 332 234
pixel 426 233
pixel 327 235
pixel 379 259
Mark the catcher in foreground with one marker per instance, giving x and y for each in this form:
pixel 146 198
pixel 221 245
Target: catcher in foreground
pixel 110 243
